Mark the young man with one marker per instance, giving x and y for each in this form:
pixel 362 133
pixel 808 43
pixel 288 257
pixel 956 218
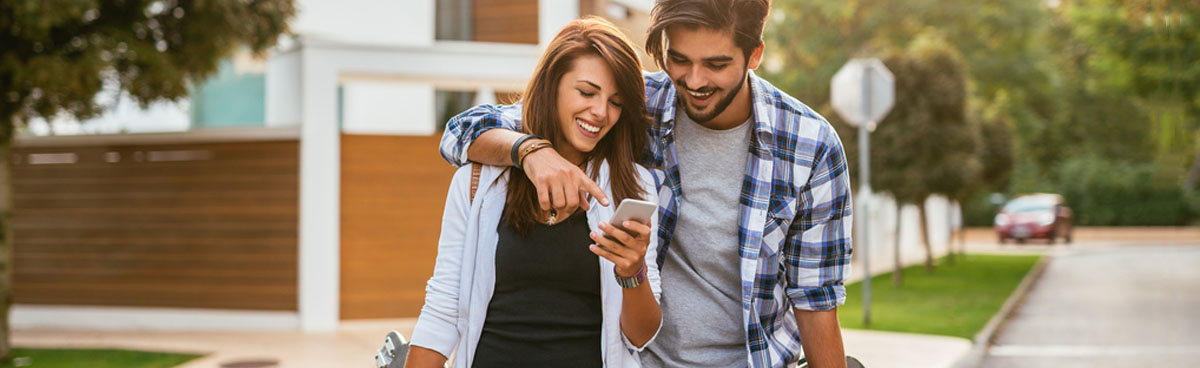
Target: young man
pixel 754 202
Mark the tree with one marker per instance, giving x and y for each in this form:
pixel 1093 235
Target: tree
pixel 1012 68
pixel 58 54
pixel 1146 49
pixel 1050 81
pixel 926 145
pixel 953 164
pixel 808 40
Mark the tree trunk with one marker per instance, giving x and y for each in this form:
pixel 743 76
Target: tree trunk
pixel 897 264
pixel 925 240
pixel 950 237
pixel 962 239
pixel 6 245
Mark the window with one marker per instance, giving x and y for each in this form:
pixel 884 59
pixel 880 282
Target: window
pixel 453 20
pixel 451 103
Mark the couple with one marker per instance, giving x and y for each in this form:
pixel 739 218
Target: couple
pixel 751 244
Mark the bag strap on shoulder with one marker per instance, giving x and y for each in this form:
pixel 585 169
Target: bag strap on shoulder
pixel 476 169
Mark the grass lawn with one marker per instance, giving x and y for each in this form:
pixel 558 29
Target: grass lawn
pixel 953 300
pixel 93 358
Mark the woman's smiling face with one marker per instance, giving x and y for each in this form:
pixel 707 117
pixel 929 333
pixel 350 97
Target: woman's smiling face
pixel 588 105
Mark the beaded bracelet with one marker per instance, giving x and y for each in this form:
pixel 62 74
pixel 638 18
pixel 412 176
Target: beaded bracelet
pixel 631 282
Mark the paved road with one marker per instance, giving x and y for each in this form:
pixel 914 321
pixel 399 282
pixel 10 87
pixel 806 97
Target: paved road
pixel 1112 306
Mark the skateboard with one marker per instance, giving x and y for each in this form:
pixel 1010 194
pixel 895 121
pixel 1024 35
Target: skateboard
pixel 393 351
pixel 851 362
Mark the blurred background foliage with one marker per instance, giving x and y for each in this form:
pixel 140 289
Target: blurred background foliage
pixel 1098 100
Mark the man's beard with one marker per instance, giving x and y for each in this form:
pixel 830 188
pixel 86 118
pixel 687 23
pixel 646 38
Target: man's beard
pixel 681 89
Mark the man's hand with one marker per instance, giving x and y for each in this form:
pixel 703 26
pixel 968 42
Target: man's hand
pixel 561 185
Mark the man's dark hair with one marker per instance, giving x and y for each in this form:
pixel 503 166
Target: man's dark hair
pixel 744 18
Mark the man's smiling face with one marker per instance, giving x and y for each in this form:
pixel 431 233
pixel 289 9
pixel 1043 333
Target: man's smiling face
pixel 708 69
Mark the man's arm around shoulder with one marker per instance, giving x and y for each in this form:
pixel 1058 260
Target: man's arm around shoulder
pixel 560 184
pixel 472 135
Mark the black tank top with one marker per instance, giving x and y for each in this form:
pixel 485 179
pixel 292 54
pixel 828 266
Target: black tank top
pixel 545 310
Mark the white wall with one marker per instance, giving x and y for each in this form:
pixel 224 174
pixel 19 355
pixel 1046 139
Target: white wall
pixel 553 15
pixel 383 22
pixel 102 318
pixel 320 188
pixel 388 108
pixel 882 228
pixel 282 81
pixel 380 80
pixel 123 115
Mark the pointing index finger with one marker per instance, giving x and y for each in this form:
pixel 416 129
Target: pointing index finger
pixel 595 190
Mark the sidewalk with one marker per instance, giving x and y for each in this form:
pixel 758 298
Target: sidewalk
pixel 355 343
pixel 1100 235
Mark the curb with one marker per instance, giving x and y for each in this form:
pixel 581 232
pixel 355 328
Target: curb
pixel 983 339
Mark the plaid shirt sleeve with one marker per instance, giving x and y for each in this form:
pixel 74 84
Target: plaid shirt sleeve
pixel 818 245
pixel 464 128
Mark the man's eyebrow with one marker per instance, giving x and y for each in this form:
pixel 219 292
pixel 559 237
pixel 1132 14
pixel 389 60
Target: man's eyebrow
pixel 710 59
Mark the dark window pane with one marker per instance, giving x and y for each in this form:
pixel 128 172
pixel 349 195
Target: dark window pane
pixel 451 103
pixel 453 20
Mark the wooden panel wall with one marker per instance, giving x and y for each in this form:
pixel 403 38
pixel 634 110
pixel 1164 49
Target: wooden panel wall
pixel 186 225
pixel 510 21
pixel 393 194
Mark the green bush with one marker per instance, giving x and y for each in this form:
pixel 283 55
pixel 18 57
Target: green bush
pixel 979 210
pixel 1104 193
pixel 1193 201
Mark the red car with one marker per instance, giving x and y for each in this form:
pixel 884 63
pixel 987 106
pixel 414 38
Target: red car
pixel 1035 216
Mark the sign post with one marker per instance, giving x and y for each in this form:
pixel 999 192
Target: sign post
pixel 862 93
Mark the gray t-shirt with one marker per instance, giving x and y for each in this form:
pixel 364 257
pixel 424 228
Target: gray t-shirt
pixel 701 282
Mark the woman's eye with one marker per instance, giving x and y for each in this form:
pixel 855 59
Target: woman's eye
pixel 586 94
pixel 615 103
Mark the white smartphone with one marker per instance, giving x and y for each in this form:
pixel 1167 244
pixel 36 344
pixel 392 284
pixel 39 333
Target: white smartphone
pixel 633 210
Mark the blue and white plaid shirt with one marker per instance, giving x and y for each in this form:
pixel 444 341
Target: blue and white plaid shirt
pixel 794 215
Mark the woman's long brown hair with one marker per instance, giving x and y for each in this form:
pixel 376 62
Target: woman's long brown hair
pixel 624 141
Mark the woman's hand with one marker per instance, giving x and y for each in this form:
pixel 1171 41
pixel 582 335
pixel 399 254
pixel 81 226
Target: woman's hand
pixel 625 248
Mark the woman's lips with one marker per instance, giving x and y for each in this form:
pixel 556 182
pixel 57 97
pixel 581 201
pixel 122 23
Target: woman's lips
pixel 588 129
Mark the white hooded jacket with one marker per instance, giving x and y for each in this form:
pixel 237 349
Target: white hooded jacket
pixel 457 296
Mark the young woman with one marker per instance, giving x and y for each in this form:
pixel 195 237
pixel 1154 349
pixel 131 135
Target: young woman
pixel 518 286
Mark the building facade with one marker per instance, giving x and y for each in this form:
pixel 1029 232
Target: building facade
pixel 307 189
